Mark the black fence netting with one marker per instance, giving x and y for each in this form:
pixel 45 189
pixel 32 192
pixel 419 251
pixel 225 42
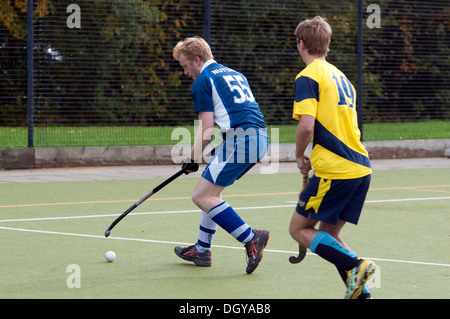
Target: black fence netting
pixel 13 75
pixel 104 74
pixel 113 76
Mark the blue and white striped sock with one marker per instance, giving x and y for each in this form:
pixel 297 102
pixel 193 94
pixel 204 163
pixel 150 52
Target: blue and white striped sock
pixel 225 216
pixel 206 233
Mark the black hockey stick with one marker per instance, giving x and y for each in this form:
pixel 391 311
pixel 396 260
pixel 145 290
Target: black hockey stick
pixel 301 250
pixel 157 188
pixel 301 255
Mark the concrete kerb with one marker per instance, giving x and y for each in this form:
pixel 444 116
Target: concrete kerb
pixel 24 158
pixel 408 149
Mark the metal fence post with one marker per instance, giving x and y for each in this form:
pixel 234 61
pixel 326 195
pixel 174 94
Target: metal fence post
pixel 30 74
pixel 360 91
pixel 208 21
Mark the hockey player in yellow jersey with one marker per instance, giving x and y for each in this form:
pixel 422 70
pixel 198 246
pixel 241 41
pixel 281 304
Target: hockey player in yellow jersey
pixel 340 153
pixel 325 106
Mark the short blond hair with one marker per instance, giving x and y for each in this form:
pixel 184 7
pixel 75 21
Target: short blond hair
pixel 315 34
pixel 193 47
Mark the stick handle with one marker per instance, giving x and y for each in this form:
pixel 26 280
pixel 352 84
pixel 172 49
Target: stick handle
pixel 305 178
pixel 159 187
pixel 305 182
pixel 301 250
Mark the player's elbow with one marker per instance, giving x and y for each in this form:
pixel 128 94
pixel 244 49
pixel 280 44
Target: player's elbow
pixel 306 130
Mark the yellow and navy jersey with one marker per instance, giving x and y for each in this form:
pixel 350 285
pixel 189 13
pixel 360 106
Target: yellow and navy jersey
pixel 324 92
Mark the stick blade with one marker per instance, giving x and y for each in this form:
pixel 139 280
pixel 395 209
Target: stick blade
pixel 300 257
pixel 107 233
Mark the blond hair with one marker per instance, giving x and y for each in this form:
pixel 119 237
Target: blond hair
pixel 315 34
pixel 193 47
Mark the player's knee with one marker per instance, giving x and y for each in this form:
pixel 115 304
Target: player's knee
pixel 296 232
pixel 200 199
pixel 300 234
pixel 296 226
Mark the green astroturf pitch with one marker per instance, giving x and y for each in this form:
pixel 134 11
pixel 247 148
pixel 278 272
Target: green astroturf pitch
pixel 52 242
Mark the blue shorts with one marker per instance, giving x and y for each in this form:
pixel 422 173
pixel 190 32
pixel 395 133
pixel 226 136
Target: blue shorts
pixel 329 200
pixel 237 154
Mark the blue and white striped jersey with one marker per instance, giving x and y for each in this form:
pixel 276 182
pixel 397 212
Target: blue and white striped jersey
pixel 227 93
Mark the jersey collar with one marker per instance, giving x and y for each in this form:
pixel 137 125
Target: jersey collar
pixel 207 63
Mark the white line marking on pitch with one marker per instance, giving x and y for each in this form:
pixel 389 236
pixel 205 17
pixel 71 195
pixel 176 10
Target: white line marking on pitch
pixel 135 214
pixel 217 246
pixel 196 210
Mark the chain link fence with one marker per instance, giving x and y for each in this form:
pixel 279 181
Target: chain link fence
pixel 104 75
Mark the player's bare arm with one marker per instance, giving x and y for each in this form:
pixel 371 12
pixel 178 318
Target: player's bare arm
pixel 203 136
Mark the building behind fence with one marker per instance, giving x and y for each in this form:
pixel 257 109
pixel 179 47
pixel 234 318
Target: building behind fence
pixel 101 73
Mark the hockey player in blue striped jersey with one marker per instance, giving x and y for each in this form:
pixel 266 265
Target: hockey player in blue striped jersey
pixel 221 96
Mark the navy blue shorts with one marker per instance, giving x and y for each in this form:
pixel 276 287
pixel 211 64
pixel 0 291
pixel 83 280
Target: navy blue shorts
pixel 329 200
